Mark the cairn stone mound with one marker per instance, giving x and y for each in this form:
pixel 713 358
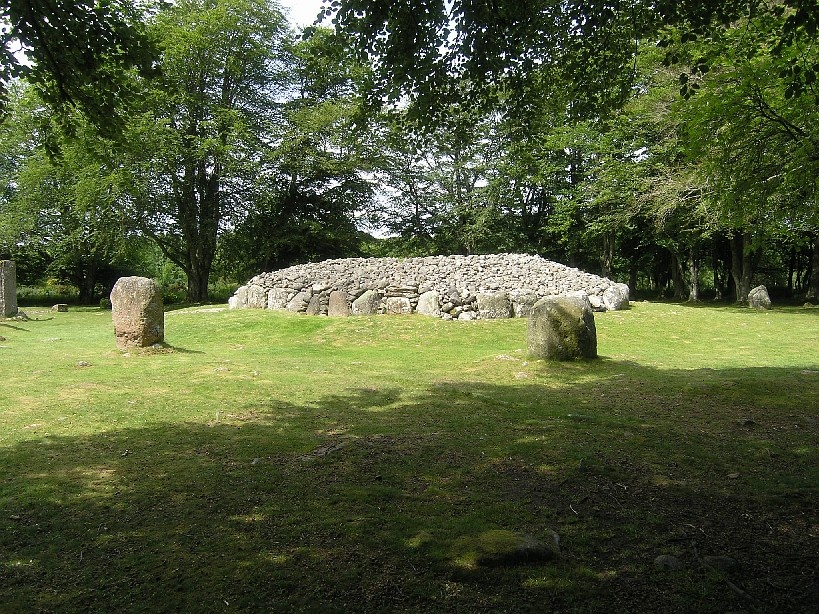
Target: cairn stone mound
pixel 476 287
pixel 137 312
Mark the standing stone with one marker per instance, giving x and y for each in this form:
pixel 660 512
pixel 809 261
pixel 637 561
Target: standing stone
pixel 494 305
pixel 339 305
pixel 137 312
pixel 8 289
pixel 397 305
pixel 758 298
pixel 562 328
pixel 429 304
pixel 367 304
pixel 615 297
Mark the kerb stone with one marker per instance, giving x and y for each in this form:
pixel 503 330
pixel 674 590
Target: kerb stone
pixel 339 304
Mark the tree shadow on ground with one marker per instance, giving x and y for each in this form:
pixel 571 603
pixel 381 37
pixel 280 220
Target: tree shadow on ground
pixel 364 501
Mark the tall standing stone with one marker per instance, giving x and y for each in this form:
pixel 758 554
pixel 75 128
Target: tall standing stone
pixel 562 328
pixel 8 289
pixel 137 311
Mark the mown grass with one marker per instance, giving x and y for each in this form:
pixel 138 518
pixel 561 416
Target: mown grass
pixel 270 462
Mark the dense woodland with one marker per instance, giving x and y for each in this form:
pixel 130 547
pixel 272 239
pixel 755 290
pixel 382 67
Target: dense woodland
pixel 671 146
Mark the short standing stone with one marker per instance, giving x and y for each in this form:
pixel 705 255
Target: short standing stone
pixel 615 297
pixel 8 289
pixel 60 307
pixel 494 305
pixel 758 298
pixel 562 328
pixel 429 304
pixel 367 303
pixel 339 304
pixel 137 312
pixel 397 305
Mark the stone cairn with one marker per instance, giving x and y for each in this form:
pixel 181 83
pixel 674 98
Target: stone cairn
pixel 8 289
pixel 448 287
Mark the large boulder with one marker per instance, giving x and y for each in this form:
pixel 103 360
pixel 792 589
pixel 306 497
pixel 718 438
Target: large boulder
pixel 429 304
pixel 367 304
pixel 758 298
pixel 615 297
pixel 494 305
pixel 137 312
pixel 562 328
pixel 8 289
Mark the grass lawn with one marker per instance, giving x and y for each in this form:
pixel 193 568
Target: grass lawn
pixel 272 462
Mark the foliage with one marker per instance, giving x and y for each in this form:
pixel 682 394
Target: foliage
pixel 423 49
pixel 311 183
pixel 62 196
pixel 195 148
pixel 76 53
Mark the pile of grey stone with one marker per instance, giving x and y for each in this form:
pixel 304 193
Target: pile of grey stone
pixel 449 287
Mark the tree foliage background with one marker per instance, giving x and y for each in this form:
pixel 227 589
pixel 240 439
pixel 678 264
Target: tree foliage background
pixel 670 145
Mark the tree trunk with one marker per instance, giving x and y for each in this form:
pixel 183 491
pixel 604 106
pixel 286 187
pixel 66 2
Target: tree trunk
pixel 694 272
pixel 813 286
pixel 198 283
pixel 677 277
pixel 607 256
pixel 86 286
pixel 743 261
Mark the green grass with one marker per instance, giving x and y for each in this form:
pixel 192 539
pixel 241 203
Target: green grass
pixel 270 462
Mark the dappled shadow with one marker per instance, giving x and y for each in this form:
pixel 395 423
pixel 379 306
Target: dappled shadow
pixel 363 500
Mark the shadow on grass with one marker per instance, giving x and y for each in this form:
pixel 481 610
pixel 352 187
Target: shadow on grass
pixel 364 501
pixel 13 327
